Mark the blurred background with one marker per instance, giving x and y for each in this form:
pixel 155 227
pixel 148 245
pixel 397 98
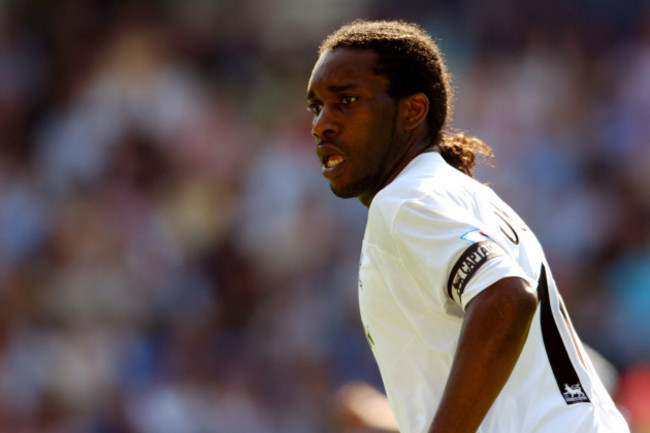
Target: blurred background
pixel 171 260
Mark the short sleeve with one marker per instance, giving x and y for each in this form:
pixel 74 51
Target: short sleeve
pixel 449 253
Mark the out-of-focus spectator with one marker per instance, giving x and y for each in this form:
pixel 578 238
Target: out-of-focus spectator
pixel 634 396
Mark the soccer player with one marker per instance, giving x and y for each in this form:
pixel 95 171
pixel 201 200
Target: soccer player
pixel 457 299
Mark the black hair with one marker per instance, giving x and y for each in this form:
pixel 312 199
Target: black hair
pixel 413 63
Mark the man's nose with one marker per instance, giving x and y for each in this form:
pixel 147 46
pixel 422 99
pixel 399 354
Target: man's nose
pixel 325 125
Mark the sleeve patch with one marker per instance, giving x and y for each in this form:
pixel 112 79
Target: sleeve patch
pixel 468 264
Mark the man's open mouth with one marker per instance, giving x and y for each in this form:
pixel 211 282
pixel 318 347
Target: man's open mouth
pixel 332 161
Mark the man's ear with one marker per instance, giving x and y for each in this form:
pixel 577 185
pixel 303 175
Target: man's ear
pixel 415 109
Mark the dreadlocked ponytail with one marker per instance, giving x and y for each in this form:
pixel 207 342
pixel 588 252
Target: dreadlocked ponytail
pixel 461 151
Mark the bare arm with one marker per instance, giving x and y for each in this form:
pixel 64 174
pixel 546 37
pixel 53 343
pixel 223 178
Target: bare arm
pixel 492 336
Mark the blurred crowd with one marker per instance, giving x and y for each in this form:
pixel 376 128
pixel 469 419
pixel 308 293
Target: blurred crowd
pixel 171 260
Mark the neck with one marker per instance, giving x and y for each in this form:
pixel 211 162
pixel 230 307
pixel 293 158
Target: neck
pixel 413 149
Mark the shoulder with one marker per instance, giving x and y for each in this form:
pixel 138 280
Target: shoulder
pixel 428 181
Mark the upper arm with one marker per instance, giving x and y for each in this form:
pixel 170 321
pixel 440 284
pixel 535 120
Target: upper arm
pixel 509 300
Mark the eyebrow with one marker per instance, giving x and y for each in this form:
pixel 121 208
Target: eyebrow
pixel 333 89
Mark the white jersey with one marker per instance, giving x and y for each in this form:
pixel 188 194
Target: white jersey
pixel 435 238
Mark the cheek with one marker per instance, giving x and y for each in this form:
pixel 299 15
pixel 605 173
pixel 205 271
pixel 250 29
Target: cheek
pixel 373 131
pixel 378 124
pixel 382 133
pixel 376 156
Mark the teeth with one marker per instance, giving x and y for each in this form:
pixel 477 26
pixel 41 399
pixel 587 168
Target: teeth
pixel 333 161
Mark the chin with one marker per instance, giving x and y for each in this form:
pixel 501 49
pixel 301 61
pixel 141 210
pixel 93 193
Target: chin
pixel 350 190
pixel 342 192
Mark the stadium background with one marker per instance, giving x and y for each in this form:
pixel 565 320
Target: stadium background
pixel 172 261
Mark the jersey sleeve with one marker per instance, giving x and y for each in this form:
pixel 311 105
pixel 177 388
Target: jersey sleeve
pixel 450 252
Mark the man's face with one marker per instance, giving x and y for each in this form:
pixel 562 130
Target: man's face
pixel 354 123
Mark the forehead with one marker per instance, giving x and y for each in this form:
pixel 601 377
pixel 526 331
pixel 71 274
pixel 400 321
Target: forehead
pixel 346 67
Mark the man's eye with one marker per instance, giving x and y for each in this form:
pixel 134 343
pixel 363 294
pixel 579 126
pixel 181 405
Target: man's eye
pixel 347 99
pixel 315 108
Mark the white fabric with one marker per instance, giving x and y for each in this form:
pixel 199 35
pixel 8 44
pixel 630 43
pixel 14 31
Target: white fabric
pixel 418 227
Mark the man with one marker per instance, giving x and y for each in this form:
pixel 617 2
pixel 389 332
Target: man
pixel 456 298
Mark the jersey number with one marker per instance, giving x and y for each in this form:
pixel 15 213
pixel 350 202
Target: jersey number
pixel 507 227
